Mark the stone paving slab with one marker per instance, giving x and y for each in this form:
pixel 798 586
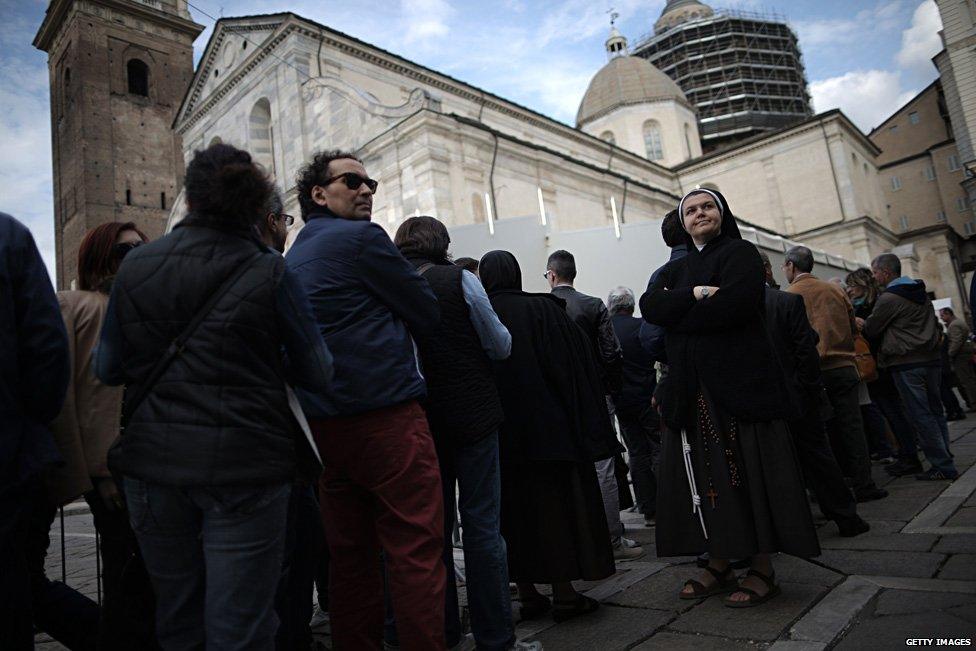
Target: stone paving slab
pixel 899 602
pixel 902 509
pixel 763 624
pixel 689 642
pixel 659 591
pixel 960 566
pixel 955 544
pixel 608 629
pixel 884 563
pixel 891 632
pixel 877 538
pixel 964 517
pixel 791 569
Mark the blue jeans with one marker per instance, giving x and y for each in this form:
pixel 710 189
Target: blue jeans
pixel 920 390
pixel 214 555
pixel 474 469
pixel 889 402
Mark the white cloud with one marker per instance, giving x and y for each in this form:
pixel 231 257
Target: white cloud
pixel 424 20
pixel 920 42
pixel 866 96
pixel 882 17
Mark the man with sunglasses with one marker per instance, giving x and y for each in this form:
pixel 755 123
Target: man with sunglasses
pixel 273 231
pixel 380 487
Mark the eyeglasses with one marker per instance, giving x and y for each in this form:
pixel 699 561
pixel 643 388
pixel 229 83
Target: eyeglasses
pixel 123 249
pixel 353 181
pixel 546 274
pixel 289 220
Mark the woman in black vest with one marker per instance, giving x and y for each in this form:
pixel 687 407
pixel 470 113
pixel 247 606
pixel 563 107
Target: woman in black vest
pixel 729 480
pixel 556 425
pixel 464 412
pixel 208 450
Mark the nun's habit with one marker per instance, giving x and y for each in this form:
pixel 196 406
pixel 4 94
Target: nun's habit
pixel 726 391
pixel 556 425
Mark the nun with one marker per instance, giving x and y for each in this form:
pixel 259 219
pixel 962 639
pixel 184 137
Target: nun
pixel 556 425
pixel 729 483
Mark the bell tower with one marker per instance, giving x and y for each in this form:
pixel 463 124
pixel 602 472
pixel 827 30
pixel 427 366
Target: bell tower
pixel 118 72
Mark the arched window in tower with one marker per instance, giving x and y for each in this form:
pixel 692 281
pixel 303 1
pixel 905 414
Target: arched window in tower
pixel 607 136
pixel 260 135
pixel 653 146
pixel 138 73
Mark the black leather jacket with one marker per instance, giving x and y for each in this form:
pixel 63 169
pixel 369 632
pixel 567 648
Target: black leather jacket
pixel 591 314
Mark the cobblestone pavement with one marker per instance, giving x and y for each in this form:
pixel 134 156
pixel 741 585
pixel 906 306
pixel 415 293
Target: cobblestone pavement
pixel 912 576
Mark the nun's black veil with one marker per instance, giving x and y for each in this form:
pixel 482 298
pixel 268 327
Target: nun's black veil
pixel 730 226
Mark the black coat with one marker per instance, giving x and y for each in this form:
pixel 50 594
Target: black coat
pixel 795 343
pixel 592 316
pixel 719 342
pixel 553 400
pixel 219 414
pixel 34 364
pixel 639 377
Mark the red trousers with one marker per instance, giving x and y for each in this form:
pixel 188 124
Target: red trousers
pixel 381 489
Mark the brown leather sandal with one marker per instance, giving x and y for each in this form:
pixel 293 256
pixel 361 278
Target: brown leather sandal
pixel 755 598
pixel 724 582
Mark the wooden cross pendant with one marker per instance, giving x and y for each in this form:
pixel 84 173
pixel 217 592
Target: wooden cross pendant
pixel 711 494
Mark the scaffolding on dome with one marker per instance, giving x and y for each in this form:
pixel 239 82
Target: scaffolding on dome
pixel 742 71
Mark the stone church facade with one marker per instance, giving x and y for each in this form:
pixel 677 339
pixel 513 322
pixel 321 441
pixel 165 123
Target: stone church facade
pixel 283 87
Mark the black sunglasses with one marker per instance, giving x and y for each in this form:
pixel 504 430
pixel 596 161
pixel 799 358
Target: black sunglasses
pixel 289 220
pixel 353 181
pixel 119 251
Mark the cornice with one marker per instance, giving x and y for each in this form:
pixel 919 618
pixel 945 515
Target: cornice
pixel 863 220
pixel 762 140
pixel 58 10
pixel 607 111
pixel 190 114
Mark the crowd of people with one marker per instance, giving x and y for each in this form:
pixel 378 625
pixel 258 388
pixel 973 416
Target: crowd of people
pixel 248 426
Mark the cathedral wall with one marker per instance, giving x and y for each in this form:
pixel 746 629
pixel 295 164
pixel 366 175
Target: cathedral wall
pixel 799 182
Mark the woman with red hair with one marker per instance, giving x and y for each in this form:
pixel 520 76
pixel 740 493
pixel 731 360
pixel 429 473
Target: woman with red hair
pixel 84 430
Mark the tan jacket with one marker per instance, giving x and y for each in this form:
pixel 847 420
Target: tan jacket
pixel 831 314
pixel 959 343
pixel 89 421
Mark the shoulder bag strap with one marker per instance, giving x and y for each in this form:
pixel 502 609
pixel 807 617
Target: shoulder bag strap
pixel 177 345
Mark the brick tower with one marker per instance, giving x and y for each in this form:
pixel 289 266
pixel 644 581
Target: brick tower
pixel 118 71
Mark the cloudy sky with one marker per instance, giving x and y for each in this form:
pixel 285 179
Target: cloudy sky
pixel 865 56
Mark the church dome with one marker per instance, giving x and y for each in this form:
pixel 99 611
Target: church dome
pixel 624 81
pixel 681 11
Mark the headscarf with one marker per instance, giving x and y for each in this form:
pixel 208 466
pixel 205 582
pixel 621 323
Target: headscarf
pixel 499 271
pixel 729 227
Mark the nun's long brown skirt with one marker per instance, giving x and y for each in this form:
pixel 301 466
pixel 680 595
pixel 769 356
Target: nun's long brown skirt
pixel 755 504
pixel 554 523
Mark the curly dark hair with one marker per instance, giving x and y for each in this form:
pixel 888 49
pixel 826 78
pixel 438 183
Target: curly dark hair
pixel 423 236
pixel 315 173
pixel 225 188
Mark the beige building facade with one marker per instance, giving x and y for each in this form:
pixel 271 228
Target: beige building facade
pixel 444 148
